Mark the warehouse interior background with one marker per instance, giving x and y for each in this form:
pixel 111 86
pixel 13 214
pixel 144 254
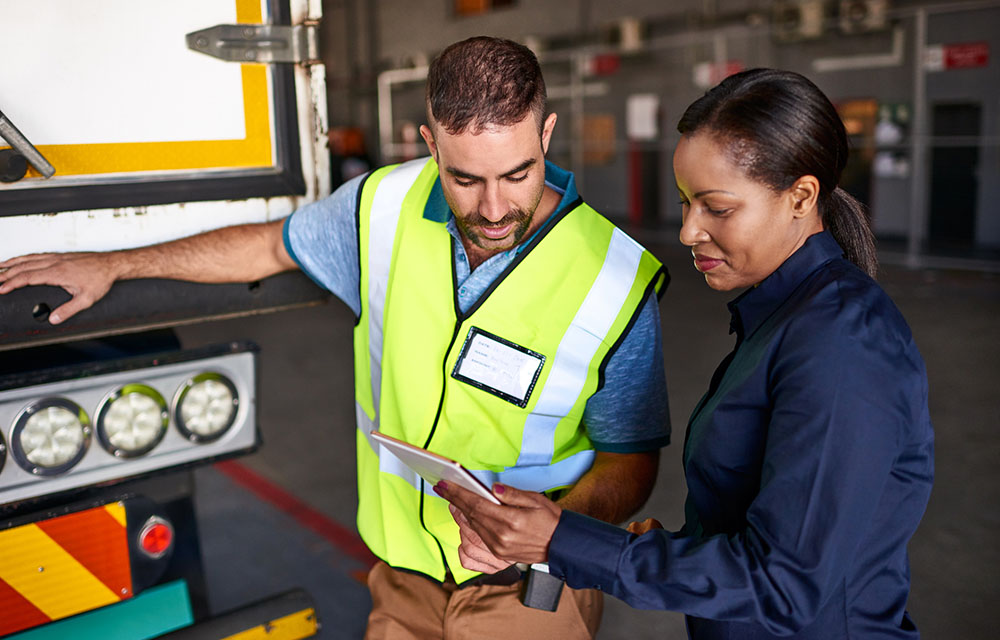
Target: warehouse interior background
pixel 918 86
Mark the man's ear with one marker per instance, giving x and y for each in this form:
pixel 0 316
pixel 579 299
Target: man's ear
pixel 428 136
pixel 547 127
pixel 804 194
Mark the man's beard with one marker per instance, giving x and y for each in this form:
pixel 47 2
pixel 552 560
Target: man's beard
pixel 470 224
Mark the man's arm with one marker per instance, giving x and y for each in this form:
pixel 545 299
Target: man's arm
pixel 615 487
pixel 242 253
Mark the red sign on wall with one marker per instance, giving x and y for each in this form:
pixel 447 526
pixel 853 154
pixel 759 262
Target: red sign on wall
pixel 966 55
pixel 708 74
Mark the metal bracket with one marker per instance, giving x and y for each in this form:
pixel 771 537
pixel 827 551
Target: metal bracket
pixel 258 42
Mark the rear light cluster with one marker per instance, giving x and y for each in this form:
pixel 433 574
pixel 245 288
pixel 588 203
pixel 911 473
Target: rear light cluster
pixel 51 435
pixel 210 412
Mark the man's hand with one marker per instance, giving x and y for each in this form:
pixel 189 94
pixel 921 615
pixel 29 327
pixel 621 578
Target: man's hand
pixel 646 525
pixel 85 276
pixel 241 253
pixel 519 530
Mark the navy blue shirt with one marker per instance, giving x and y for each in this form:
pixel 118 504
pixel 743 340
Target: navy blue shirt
pixel 809 463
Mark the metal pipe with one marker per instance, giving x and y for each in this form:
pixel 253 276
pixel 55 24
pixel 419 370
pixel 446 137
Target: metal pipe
pixel 576 93
pixel 384 97
pixel 19 143
pixel 947 7
pixel 918 143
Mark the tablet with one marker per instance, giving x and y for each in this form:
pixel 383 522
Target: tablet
pixel 433 467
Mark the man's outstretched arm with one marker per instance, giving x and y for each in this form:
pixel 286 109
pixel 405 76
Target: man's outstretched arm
pixel 242 253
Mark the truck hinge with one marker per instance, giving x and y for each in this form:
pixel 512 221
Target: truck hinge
pixel 259 42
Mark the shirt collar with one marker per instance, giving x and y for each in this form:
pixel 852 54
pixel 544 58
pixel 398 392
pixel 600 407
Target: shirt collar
pixel 754 305
pixel 559 179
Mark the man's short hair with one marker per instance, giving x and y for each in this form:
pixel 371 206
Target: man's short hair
pixel 483 82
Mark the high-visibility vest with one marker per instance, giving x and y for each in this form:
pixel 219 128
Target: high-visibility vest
pixel 568 298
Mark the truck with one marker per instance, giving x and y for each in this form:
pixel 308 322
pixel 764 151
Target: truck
pixel 126 124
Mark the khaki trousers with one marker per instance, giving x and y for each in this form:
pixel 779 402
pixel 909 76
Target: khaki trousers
pixel 407 606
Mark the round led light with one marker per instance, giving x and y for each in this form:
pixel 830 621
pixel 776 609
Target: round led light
pixel 132 420
pixel 206 407
pixel 50 436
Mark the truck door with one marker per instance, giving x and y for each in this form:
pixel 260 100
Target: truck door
pixel 151 138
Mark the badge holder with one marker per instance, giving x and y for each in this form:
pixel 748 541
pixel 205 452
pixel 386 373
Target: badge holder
pixel 498 366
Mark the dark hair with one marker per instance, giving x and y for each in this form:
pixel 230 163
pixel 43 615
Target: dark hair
pixel 778 126
pixel 484 81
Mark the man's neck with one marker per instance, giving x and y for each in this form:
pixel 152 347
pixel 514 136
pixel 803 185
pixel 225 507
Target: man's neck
pixel 546 207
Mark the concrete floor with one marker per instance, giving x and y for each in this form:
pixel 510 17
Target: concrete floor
pixel 307 419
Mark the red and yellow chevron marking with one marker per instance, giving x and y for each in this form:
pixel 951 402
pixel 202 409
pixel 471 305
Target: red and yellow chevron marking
pixel 63 566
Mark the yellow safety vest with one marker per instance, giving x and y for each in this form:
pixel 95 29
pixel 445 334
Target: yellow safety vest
pixel 564 302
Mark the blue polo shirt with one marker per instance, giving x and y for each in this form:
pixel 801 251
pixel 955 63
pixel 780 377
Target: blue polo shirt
pixel 629 414
pixel 809 463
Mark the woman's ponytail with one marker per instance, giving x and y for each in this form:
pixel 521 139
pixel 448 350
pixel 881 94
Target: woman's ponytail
pixel 847 220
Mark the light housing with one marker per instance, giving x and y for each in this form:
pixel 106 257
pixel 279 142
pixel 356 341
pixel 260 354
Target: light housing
pixel 50 436
pixel 132 420
pixel 90 383
pixel 205 407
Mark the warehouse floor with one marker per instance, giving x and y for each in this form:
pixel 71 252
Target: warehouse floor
pixel 284 517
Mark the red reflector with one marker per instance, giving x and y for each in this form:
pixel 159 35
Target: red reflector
pixel 156 537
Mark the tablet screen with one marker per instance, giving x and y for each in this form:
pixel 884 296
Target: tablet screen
pixel 433 467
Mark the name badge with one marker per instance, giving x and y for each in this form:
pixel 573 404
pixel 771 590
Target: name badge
pixel 498 366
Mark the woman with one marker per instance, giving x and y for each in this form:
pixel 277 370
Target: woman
pixel 809 460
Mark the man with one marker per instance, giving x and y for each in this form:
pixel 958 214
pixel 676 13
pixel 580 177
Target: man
pixel 501 322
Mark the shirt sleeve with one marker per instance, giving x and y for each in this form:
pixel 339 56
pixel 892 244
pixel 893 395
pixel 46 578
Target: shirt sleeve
pixel 629 414
pixel 322 238
pixel 842 399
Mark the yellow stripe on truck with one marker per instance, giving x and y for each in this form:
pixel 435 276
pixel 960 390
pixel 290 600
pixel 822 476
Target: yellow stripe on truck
pixel 301 624
pixel 46 575
pixel 117 511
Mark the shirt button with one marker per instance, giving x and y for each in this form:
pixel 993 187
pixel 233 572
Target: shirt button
pixel 462 290
pixel 462 257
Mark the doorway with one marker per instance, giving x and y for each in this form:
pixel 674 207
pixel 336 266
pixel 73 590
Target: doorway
pixel 954 176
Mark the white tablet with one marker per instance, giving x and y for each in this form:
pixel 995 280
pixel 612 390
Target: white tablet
pixel 433 467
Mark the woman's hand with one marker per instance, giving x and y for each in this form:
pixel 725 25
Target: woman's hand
pixel 496 536
pixel 473 552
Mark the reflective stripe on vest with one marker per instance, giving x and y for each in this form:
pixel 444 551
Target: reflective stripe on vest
pixel 569 371
pixel 384 218
pixel 387 461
